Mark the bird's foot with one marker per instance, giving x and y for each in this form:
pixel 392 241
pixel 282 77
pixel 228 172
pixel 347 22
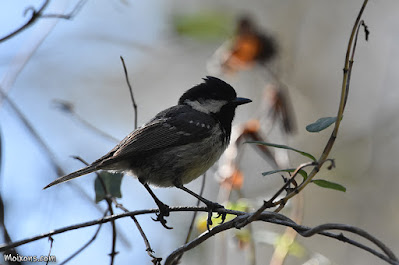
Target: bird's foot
pixel 212 206
pixel 164 211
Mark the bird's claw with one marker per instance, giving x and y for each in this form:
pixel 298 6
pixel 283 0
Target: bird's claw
pixel 164 210
pixel 211 207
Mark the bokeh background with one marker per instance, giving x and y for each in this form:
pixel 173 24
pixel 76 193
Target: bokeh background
pixel 78 61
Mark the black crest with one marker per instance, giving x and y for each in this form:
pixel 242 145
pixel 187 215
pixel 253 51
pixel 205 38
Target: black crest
pixel 211 88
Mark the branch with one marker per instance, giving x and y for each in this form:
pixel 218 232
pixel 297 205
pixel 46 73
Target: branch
pixel 149 250
pixel 344 90
pixel 191 227
pixel 36 14
pixel 270 217
pixel 34 17
pixel 131 92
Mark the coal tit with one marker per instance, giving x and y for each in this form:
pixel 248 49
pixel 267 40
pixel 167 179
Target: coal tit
pixel 178 145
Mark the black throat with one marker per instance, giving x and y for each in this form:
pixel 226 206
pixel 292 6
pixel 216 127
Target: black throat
pixel 225 117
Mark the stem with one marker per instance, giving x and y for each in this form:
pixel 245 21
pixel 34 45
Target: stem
pixel 344 90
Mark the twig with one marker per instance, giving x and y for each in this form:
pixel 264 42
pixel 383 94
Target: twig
pixel 351 61
pixel 34 17
pixel 131 92
pixel 191 227
pixel 344 89
pixel 51 247
pixel 355 230
pixel 291 179
pixel 68 16
pixel 36 14
pixel 149 250
pixel 108 199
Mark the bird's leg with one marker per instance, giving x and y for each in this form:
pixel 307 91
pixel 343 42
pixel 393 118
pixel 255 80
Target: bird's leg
pixel 209 204
pixel 163 208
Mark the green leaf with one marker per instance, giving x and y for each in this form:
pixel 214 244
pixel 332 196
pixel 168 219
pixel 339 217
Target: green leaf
pixel 204 25
pixel 329 185
pixel 112 183
pixel 321 124
pixel 301 172
pixel 284 147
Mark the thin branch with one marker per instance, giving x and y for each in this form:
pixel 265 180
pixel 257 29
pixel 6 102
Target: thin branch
pixel 36 14
pixel 68 16
pixel 321 230
pixel 131 92
pixel 149 250
pixel 351 60
pixel 108 199
pixel 355 230
pixel 34 17
pixel 191 227
pixel 291 179
pixel 344 89
pixel 268 204
pixel 51 247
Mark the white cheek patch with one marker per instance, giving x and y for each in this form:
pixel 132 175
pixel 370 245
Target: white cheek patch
pixel 206 106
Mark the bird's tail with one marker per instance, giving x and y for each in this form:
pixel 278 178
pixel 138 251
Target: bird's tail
pixel 72 175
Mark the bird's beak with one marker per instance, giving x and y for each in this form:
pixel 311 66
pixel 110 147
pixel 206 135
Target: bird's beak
pixel 240 101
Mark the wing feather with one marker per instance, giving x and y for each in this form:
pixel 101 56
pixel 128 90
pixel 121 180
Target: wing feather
pixel 175 126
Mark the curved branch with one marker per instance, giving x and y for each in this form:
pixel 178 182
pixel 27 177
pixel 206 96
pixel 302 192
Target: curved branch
pixel 34 17
pixel 270 217
pixel 36 14
pixel 351 229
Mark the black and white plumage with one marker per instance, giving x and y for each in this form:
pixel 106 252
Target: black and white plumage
pixel 179 144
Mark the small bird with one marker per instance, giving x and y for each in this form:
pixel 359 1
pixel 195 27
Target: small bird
pixel 178 145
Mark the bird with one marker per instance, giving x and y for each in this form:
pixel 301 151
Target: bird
pixel 178 145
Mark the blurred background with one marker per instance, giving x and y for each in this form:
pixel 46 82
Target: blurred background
pixel 168 46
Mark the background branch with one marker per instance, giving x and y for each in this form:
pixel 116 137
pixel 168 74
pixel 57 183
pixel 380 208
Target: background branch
pixel 36 14
pixel 131 92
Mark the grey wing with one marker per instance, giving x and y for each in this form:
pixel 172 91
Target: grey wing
pixel 178 125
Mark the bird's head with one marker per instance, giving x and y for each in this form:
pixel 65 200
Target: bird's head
pixel 212 96
pixel 216 98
